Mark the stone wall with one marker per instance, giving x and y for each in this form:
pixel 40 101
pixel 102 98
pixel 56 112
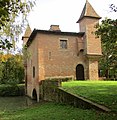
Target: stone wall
pixel 52 91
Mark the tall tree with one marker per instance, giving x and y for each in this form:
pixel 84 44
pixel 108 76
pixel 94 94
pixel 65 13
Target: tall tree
pixel 13 14
pixel 108 33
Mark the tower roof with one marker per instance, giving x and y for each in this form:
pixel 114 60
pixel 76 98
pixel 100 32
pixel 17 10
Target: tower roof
pixel 88 11
pixel 28 31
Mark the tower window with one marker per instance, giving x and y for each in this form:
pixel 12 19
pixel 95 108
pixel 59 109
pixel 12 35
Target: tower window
pixel 33 71
pixel 63 44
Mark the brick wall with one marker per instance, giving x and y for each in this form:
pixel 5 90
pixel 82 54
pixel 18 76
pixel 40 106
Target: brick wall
pixel 32 62
pixel 57 62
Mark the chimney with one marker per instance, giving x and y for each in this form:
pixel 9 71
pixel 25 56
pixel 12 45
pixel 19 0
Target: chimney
pixel 54 28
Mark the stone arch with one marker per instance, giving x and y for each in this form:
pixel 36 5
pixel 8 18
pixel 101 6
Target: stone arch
pixel 80 72
pixel 34 95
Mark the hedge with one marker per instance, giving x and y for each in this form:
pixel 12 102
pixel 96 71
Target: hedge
pixel 10 90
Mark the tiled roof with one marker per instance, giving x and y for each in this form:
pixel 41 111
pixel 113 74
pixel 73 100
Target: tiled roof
pixel 88 11
pixel 34 33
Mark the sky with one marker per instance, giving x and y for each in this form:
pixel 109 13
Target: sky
pixel 65 13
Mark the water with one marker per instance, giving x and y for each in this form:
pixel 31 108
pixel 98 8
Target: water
pixel 15 103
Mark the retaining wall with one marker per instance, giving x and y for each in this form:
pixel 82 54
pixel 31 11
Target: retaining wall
pixel 52 91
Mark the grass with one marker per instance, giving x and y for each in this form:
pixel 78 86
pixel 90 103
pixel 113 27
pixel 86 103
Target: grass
pixel 14 103
pixel 53 111
pixel 103 92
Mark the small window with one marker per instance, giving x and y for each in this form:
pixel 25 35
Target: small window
pixel 49 55
pixel 63 44
pixel 33 71
pixel 81 50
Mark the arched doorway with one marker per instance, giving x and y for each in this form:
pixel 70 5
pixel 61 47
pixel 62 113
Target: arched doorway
pixel 80 72
pixel 34 95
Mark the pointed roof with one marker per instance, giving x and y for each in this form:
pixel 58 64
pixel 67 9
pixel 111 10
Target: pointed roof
pixel 28 31
pixel 88 11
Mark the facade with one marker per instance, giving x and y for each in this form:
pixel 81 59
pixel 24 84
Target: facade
pixel 57 54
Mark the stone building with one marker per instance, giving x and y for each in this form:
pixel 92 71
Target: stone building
pixel 57 54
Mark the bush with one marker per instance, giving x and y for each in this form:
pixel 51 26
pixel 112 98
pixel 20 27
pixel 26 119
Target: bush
pixel 63 79
pixel 11 70
pixel 9 90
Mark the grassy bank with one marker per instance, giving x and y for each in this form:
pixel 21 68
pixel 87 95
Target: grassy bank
pixel 103 92
pixel 53 111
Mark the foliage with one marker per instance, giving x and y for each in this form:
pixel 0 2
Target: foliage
pixel 9 9
pixel 107 31
pixel 102 92
pixel 53 111
pixel 5 44
pixel 26 53
pixel 13 17
pixel 10 90
pixel 12 70
pixel 113 7
pixel 63 79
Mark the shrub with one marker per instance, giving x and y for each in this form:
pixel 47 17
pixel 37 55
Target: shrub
pixel 11 70
pixel 63 79
pixel 10 90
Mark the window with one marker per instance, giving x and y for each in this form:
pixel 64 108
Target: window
pixel 33 71
pixel 63 44
pixel 49 55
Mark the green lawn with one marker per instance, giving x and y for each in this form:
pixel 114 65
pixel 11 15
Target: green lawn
pixel 53 111
pixel 103 92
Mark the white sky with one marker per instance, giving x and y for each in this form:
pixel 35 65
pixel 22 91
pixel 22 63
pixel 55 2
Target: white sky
pixel 65 13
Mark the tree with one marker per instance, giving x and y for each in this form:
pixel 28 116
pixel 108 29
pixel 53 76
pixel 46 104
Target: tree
pixel 13 14
pixel 113 7
pixel 12 69
pixel 108 33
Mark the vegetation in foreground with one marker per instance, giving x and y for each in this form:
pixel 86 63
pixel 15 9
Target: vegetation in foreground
pixel 103 92
pixel 53 111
